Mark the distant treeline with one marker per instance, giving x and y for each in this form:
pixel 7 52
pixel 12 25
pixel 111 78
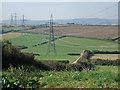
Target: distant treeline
pixel 105 52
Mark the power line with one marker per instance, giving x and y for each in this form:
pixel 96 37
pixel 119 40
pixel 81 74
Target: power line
pixel 101 11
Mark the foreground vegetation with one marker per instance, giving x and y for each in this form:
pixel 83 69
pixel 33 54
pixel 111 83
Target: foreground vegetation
pixel 100 77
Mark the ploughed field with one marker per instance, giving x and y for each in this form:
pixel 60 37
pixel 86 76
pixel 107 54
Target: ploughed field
pixel 82 31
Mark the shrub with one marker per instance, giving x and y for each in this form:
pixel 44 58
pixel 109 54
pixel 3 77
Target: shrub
pixel 13 56
pixel 58 66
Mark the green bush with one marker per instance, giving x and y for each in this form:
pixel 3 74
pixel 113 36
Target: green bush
pixel 13 56
pixel 58 66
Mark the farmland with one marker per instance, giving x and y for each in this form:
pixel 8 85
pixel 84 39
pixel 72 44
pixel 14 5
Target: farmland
pixel 105 56
pixel 64 46
pixel 11 35
pixel 93 38
pixel 83 31
pixel 74 43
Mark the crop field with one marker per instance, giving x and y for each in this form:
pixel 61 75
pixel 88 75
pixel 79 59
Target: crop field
pixel 83 31
pixel 105 56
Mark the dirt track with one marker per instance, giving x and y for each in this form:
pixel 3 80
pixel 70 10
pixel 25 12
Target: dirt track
pixel 84 31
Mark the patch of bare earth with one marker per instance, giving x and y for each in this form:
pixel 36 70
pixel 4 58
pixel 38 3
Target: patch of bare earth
pixel 83 31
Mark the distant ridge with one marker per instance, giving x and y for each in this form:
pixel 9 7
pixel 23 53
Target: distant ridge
pixel 88 21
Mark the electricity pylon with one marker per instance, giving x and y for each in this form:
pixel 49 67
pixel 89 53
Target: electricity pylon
pixel 11 20
pixel 23 22
pixel 51 47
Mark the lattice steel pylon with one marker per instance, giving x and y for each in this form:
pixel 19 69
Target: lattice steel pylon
pixel 51 47
pixel 23 23
pixel 11 19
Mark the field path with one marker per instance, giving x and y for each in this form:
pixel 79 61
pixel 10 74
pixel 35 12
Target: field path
pixel 78 58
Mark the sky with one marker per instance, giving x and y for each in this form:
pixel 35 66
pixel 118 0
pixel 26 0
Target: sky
pixel 60 10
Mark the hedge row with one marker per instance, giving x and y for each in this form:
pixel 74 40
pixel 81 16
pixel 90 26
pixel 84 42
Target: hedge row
pixel 105 52
pixel 59 66
pixel 105 62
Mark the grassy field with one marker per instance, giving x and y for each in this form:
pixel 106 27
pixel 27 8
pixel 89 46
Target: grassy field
pixel 30 40
pixel 66 45
pixel 63 46
pixel 101 77
pixel 105 56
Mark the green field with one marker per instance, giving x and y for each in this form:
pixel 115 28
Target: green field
pixel 63 46
pixel 30 39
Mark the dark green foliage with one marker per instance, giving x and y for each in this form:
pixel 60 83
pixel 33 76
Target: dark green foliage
pixel 105 62
pixel 13 56
pixel 57 66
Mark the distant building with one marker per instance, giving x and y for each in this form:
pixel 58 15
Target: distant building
pixel 70 23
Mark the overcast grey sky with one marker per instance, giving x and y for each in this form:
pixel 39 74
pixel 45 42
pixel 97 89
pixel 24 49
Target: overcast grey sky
pixel 60 10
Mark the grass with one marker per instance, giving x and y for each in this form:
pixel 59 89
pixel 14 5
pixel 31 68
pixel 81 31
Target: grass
pixel 101 77
pixel 29 40
pixel 105 56
pixel 63 46
pixel 71 45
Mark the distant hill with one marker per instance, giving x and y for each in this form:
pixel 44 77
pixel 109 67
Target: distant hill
pixel 89 21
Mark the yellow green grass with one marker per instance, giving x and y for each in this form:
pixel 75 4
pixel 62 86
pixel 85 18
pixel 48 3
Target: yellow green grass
pixel 11 35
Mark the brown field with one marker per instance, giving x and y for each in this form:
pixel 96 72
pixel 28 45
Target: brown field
pixel 83 31
pixel 105 56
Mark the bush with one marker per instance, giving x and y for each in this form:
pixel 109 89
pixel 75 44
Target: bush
pixel 58 66
pixel 13 56
pixel 87 54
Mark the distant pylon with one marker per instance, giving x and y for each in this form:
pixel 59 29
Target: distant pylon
pixel 11 20
pixel 23 22
pixel 15 18
pixel 51 47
